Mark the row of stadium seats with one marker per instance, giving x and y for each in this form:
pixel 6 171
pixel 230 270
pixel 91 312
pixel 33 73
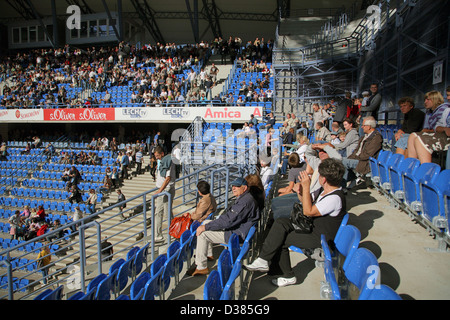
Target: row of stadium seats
pixel 18 165
pixel 421 190
pixel 37 193
pixel 55 184
pixel 350 272
pixel 82 168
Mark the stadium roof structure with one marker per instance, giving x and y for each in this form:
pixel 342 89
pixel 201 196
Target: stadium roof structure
pixel 195 19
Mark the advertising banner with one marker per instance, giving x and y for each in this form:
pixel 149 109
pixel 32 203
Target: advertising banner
pixel 188 114
pixel 20 115
pixel 86 114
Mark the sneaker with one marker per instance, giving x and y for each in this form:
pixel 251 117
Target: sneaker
pixel 283 282
pixel 258 265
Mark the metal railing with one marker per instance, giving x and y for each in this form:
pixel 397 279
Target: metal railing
pixel 329 44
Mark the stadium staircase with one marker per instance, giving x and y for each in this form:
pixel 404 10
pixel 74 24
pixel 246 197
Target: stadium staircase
pixel 312 64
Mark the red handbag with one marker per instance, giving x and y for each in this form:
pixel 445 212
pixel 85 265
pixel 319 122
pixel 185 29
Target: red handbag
pixel 179 225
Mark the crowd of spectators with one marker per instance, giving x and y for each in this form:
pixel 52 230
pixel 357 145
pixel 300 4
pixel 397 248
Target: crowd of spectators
pixel 350 127
pixel 153 74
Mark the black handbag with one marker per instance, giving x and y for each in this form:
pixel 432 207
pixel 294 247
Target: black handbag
pixel 300 222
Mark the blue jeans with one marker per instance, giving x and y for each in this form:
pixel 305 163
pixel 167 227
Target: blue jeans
pixel 90 208
pixel 349 174
pixel 284 165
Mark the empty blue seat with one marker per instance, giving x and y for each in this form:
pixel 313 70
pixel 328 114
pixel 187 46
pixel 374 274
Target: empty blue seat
pixel 408 165
pixel 426 171
pixel 212 289
pixel 138 286
pixel 55 294
pixel 106 286
pixel 224 266
pixel 363 272
pixel 373 162
pixel 393 161
pixel 432 196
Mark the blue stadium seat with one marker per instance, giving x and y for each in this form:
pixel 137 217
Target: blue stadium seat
pixel 228 292
pixel 363 272
pixel 153 287
pixel 212 289
pixel 169 271
pixel 138 286
pixel 347 243
pixel 393 161
pixel 96 281
pixel 123 273
pixel 106 286
pixel 55 294
pixel 408 165
pixel 141 256
pixel 432 195
pixel 224 266
pixel 382 157
pixel 234 247
pixel 426 171
pixel 157 267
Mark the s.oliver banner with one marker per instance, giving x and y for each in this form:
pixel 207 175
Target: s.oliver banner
pixel 188 114
pixel 86 114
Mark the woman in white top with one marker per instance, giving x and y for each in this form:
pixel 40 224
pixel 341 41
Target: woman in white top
pixel 327 208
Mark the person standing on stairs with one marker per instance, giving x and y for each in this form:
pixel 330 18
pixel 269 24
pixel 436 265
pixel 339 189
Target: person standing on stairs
pixel 213 72
pixel 165 182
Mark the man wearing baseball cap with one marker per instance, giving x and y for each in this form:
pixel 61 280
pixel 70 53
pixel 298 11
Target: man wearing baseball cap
pixel 237 218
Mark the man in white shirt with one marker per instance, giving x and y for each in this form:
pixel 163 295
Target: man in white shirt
pixel 266 173
pixel 165 182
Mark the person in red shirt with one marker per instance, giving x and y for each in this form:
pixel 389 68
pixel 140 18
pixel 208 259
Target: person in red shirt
pixel 41 213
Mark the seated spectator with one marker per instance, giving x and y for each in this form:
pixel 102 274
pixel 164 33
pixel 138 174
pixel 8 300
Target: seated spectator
pixel 27 149
pixel 368 146
pixel 115 177
pixel 107 98
pixel 412 122
pixel 75 195
pixel 32 229
pixel 16 224
pixel 351 138
pixel 49 150
pixel 296 166
pixel 433 137
pixel 91 201
pixel 207 203
pixel 327 207
pixel 3 152
pixel 322 133
pixel 41 213
pixel 238 218
pixel 266 173
pixel 256 189
pixel 107 184
pixel 60 234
